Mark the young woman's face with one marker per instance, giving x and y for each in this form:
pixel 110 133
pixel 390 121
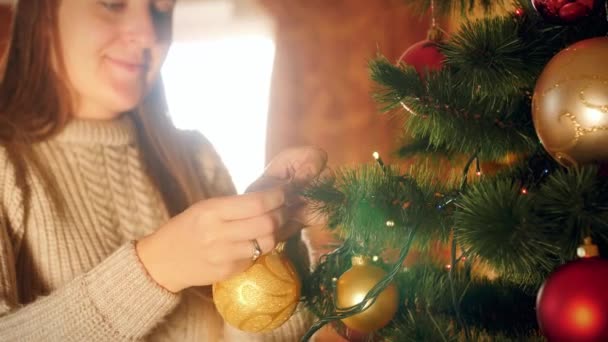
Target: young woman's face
pixel 112 51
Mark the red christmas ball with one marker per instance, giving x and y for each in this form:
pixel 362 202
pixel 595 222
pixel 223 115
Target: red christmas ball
pixel 423 56
pixel 572 304
pixel 352 335
pixel 566 11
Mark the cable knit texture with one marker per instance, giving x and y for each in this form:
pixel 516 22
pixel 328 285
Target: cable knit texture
pixel 74 275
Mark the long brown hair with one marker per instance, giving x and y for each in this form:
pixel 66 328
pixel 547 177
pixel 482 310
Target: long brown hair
pixel 35 105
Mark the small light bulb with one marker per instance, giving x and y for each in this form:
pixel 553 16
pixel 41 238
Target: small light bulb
pixel 376 155
pixel 580 252
pixel 390 223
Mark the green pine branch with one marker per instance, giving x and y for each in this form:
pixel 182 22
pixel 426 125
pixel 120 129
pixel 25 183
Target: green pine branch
pixel 442 113
pixel 377 207
pixel 495 221
pixel 491 60
pixel 524 236
pixel 571 205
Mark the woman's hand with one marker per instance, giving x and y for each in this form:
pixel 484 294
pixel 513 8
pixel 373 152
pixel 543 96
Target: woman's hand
pixel 213 239
pixel 298 166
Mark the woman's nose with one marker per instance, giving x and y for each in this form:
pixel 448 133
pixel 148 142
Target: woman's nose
pixel 141 29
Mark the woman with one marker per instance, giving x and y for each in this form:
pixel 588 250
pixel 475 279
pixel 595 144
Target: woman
pixel 112 223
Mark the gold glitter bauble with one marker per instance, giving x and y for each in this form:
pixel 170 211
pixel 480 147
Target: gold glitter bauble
pixel 354 285
pixel 570 104
pixel 263 297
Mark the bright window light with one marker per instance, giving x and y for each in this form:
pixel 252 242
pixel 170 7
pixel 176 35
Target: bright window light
pixel 220 86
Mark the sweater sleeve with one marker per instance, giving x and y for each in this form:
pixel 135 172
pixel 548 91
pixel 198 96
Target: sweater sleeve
pixel 115 301
pixel 220 180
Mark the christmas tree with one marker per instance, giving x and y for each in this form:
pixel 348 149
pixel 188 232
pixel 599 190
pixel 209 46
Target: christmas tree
pixel 492 230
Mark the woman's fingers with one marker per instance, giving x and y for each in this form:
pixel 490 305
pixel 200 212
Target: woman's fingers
pixel 251 228
pixel 247 205
pixel 245 249
pixel 300 164
pixel 282 223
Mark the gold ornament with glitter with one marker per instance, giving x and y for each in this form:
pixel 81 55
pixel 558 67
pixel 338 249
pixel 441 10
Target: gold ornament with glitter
pixel 263 297
pixel 570 104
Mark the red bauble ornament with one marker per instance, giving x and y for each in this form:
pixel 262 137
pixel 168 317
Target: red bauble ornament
pixel 352 335
pixel 572 304
pixel 566 11
pixel 423 56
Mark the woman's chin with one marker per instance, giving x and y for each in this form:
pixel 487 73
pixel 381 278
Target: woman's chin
pixel 125 102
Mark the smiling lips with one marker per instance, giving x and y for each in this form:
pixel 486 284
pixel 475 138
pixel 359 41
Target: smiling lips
pixel 128 66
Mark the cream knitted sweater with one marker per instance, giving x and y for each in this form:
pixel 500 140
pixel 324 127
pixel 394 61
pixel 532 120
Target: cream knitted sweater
pixel 76 276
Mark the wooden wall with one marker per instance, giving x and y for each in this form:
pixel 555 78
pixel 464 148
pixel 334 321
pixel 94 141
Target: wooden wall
pixel 5 21
pixel 321 90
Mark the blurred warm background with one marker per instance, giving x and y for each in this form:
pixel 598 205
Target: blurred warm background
pixel 257 76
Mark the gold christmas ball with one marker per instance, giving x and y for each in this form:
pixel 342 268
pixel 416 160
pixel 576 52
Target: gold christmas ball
pixel 354 285
pixel 263 297
pixel 570 103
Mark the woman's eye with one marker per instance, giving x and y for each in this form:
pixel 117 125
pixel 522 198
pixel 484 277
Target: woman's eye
pixel 113 6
